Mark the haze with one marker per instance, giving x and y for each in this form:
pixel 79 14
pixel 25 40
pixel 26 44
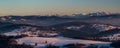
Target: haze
pixel 62 7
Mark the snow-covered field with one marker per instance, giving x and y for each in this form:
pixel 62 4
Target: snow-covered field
pixel 57 41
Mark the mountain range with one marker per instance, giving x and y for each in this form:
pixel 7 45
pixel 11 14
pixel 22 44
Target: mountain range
pixel 65 26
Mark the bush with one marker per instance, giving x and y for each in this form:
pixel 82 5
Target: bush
pixel 52 46
pixel 92 46
pixel 24 35
pixel 104 47
pixel 12 42
pixel 20 46
pixel 75 46
pixel 116 44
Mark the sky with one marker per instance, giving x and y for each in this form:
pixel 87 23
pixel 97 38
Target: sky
pixel 61 7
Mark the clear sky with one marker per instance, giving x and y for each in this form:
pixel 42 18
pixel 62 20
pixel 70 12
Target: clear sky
pixel 48 7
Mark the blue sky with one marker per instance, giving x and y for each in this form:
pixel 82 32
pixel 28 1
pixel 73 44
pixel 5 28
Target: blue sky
pixel 48 7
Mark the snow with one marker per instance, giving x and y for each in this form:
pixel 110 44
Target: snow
pixel 103 27
pixel 75 27
pixel 113 37
pixel 57 41
pixel 100 27
pixel 30 32
pixel 13 33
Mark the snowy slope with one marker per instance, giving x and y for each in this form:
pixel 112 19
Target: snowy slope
pixel 58 41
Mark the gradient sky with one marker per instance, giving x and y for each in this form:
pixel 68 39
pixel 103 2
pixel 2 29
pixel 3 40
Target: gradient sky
pixel 48 7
